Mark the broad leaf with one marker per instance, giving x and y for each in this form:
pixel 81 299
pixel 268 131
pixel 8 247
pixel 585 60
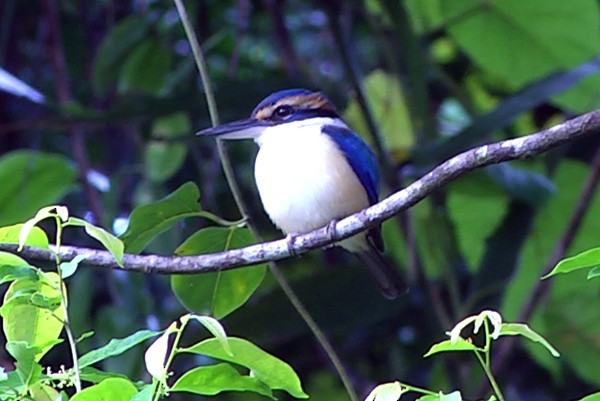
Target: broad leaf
pixel 214 379
pixel 31 180
pixel 112 244
pixel 272 371
pixel 37 237
pixel 112 389
pixel 386 392
pixel 218 293
pixel 583 260
pixel 520 329
pixel 147 221
pixel 449 346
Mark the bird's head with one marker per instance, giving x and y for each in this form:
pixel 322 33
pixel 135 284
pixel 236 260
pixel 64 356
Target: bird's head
pixel 279 108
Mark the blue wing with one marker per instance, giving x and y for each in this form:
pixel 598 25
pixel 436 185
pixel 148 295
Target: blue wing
pixel 359 156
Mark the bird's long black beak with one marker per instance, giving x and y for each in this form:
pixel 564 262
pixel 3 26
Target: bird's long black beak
pixel 241 129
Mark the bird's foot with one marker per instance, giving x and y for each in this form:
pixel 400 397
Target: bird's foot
pixel 331 230
pixel 291 239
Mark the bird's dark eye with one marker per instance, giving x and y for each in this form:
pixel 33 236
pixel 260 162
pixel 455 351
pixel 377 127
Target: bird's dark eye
pixel 283 112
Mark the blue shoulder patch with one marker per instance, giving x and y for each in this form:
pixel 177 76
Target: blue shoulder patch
pixel 360 156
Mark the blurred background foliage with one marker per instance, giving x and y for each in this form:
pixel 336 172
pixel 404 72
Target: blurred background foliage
pixel 107 122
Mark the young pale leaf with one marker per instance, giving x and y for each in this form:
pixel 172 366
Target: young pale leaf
pixel 37 237
pixel 112 389
pixel 449 346
pixel 520 329
pixel 386 392
pixel 214 379
pixel 67 269
pixel 272 371
pixel 35 325
pixel 116 346
pixel 147 221
pixel 453 396
pixel 217 293
pixel 584 260
pixel 112 244
pixel 216 329
pixel 47 212
pixel 156 355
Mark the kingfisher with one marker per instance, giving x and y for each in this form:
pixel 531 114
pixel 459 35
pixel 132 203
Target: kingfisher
pixel 311 170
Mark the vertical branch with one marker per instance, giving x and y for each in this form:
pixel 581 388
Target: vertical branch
pixel 65 96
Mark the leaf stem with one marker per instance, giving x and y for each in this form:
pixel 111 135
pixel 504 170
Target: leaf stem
pixel 485 361
pixel 65 306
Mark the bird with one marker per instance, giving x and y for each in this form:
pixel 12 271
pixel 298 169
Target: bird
pixel 311 170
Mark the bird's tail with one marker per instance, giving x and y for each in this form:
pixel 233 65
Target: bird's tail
pixel 386 277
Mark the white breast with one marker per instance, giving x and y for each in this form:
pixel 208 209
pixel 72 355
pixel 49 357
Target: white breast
pixel 303 178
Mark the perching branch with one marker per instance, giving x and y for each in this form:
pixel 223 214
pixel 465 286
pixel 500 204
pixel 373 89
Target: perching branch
pixel 519 148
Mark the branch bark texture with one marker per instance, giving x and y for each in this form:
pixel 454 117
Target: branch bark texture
pixel 519 148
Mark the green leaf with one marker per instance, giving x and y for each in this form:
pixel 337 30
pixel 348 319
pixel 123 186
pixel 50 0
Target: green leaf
pixel 520 329
pixel 218 293
pixel 43 392
pixel 67 269
pixel 13 267
pixel 113 389
pixel 93 375
pixel 147 221
pixel 448 346
pixel 26 357
pixel 591 397
pixel 525 41
pixel 37 237
pixel 112 244
pixel 31 180
pixel 275 373
pixel 453 396
pixel 145 394
pixel 583 260
pixel 215 328
pixel 116 346
pixel 114 49
pixel 212 380
pixel 164 156
pixel 36 326
pixel 595 272
pixel 146 67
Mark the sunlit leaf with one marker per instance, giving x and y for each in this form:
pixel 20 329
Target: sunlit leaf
pixel 155 356
pixel 591 397
pixel 583 260
pixel 60 212
pixel 449 346
pixel 112 244
pixel 26 356
pixel 37 237
pixel 215 328
pixel 386 392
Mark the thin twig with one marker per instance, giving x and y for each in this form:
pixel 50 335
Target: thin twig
pixel 519 148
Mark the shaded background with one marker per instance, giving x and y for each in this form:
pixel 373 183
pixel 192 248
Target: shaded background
pixel 420 80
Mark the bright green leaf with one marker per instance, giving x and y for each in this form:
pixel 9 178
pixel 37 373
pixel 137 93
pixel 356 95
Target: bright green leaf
pixel 43 392
pixel 31 180
pixel 37 237
pixel 214 379
pixel 116 346
pixel 112 244
pixel 113 389
pixel 520 329
pixel 147 221
pixel 145 394
pixel 448 346
pixel 453 396
pixel 93 375
pixel 272 371
pixel 67 269
pixel 583 260
pixel 218 293
pixel 36 326
pixel 44 213
pixel 163 155
pixel 591 397
pixel 13 267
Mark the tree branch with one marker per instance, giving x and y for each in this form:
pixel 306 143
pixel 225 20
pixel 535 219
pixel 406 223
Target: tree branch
pixel 519 148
